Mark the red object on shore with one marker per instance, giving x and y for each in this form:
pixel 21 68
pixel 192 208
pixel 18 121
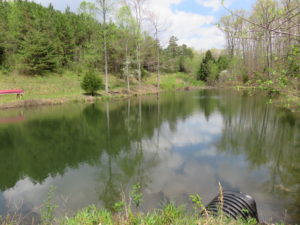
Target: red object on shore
pixel 16 91
pixel 12 119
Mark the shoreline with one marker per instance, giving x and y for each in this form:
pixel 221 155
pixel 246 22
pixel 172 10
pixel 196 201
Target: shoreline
pixel 278 101
pixel 114 94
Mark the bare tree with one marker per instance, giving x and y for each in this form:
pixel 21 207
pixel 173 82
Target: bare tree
pixel 127 24
pixel 266 36
pixel 137 6
pixel 104 7
pixel 158 27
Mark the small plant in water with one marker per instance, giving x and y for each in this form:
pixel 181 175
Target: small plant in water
pixel 136 194
pixel 119 206
pixel 197 200
pixel 48 207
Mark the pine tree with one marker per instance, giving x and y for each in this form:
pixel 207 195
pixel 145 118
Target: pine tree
pixel 3 22
pixel 39 54
pixel 204 71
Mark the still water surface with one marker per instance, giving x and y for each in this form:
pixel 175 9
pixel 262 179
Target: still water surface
pixel 174 145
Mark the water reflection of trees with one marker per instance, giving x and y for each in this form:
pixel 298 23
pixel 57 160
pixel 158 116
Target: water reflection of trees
pixel 266 136
pixel 108 136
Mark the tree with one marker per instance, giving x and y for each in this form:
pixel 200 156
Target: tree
pixel 39 54
pixel 265 36
pixel 172 55
pixel 127 24
pixel 137 6
pixel 91 83
pixel 104 7
pixel 173 46
pixel 185 55
pixel 223 62
pixel 3 28
pixel 154 19
pixel 205 67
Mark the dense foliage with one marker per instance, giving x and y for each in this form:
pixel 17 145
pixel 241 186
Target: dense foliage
pixel 91 83
pixel 36 40
pixel 210 68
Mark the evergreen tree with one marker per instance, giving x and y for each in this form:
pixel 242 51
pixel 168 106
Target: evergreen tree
pixel 36 40
pixel 3 27
pixel 39 54
pixel 223 62
pixel 91 83
pixel 205 66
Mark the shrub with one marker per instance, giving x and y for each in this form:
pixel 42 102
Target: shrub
pixel 208 68
pixel 223 62
pixel 213 72
pixel 91 83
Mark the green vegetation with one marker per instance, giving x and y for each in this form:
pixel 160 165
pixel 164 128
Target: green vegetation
pixel 46 52
pixel 47 211
pixel 53 54
pixel 46 44
pixel 175 81
pixel 36 40
pixel 126 214
pixel 263 47
pixel 169 214
pixel 91 83
pixel 66 87
pixel 210 68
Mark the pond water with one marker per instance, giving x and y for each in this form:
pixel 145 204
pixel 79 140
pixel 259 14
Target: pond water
pixel 174 145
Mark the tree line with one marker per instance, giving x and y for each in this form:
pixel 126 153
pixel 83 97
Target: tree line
pixel 265 42
pixel 36 40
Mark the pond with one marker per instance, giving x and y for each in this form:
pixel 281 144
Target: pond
pixel 174 145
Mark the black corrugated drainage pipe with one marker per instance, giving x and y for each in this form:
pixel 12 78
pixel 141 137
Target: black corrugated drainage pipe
pixel 234 204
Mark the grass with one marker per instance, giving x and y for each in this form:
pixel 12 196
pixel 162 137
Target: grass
pixel 66 87
pixel 46 87
pixel 169 214
pixel 127 213
pixel 175 81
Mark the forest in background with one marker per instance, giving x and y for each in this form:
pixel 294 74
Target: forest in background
pixel 262 45
pixel 36 40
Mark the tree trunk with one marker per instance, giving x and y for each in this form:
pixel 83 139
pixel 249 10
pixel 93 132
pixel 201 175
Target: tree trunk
pixel 104 11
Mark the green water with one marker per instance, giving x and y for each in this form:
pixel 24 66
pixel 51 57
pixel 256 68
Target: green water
pixel 173 145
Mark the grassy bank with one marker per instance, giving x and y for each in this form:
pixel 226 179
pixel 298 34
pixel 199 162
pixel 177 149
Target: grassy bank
pixel 60 88
pixel 128 212
pixel 169 214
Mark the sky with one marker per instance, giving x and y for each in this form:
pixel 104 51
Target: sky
pixel 191 21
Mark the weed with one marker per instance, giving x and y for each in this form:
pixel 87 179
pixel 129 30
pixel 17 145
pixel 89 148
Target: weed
pixel 197 200
pixel 119 206
pixel 48 208
pixel 136 194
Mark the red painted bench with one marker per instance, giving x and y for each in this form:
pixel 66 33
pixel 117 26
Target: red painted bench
pixel 19 92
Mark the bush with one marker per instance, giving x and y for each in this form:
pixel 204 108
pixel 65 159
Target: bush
pixel 91 83
pixel 223 62
pixel 213 72
pixel 206 66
